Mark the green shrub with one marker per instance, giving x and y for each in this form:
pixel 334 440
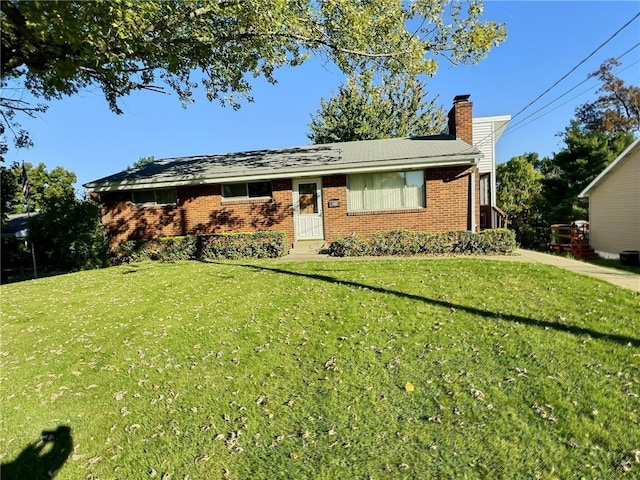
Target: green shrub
pixel 499 240
pixel 203 247
pixel 165 249
pixel 243 245
pixel 405 242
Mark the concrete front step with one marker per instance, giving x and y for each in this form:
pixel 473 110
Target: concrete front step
pixel 307 247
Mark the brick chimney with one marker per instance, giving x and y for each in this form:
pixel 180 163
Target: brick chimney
pixel 461 119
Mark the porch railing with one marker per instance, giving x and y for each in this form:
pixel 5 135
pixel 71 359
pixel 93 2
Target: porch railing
pixel 571 238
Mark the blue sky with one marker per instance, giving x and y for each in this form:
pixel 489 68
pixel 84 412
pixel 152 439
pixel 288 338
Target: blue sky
pixel 546 40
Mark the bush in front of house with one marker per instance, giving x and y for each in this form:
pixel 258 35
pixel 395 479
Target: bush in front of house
pixel 165 249
pixel 202 247
pixel 243 245
pixel 405 243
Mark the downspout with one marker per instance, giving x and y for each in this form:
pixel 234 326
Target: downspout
pixel 472 199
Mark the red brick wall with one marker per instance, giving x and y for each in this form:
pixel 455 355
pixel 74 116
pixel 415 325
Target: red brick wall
pixel 201 210
pixel 447 206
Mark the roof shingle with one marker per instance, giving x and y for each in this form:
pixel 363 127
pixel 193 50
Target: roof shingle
pixel 345 157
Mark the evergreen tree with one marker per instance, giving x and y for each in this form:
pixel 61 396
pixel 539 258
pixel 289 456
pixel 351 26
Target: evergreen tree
pixel 365 110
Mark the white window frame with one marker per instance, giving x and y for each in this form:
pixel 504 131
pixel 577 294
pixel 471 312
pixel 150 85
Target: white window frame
pixel 403 196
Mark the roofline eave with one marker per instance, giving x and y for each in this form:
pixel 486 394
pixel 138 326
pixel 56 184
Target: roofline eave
pixel 472 159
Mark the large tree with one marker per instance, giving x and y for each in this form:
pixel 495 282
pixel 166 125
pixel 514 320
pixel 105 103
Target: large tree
pixel 57 48
pixel 618 106
pixel 364 110
pixel 68 234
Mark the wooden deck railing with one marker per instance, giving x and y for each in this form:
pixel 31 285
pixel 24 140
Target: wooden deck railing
pixel 573 239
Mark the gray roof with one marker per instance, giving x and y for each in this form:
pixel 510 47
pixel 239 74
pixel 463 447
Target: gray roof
pixel 312 160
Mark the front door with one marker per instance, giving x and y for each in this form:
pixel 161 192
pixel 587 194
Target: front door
pixel 307 209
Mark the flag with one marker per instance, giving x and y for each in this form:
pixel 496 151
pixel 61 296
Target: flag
pixel 26 189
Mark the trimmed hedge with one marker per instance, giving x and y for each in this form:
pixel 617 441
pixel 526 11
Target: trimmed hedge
pixel 405 242
pixel 202 247
pixel 243 245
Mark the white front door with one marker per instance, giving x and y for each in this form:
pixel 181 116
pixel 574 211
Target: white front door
pixel 307 209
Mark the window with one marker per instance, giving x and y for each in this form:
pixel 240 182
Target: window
pixel 239 191
pixel 485 192
pixel 165 196
pixel 386 191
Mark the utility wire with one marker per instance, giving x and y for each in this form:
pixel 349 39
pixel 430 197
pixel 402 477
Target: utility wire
pixel 562 78
pixel 513 126
pixel 580 63
pixel 519 125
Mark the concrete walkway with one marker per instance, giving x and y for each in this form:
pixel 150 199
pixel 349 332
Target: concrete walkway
pixel 619 278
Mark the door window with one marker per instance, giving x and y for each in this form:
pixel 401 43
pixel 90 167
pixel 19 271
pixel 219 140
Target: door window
pixel 308 194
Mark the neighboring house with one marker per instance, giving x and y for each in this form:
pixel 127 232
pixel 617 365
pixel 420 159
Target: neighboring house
pixel 16 225
pixel 315 192
pixel 614 205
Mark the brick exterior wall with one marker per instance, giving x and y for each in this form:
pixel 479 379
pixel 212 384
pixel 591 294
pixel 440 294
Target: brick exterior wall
pixel 199 210
pixel 447 206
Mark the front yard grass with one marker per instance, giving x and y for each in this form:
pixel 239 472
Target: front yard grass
pixel 386 369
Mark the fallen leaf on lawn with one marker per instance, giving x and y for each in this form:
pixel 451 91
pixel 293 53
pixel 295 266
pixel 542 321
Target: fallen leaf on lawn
pixel 119 395
pixel 409 387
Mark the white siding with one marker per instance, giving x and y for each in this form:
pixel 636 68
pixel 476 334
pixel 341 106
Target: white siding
pixel 614 208
pixel 483 140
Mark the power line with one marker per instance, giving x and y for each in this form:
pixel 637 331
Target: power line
pixel 512 127
pixel 580 63
pixel 508 129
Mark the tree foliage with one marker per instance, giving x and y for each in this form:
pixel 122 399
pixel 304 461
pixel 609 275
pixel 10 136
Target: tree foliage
pixel 141 162
pixel 44 186
pixel 68 234
pixel 519 194
pixel 586 153
pixel 616 109
pixel 58 48
pixel 8 190
pixel 364 110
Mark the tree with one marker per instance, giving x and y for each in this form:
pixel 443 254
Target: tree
pixel 519 194
pixel 585 155
pixel 8 191
pixel 58 48
pixel 68 234
pixel 363 110
pixel 44 185
pixel 141 162
pixel 617 109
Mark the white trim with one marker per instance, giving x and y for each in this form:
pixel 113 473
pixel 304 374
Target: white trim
pixel 585 193
pixel 316 219
pixel 607 255
pixel 472 193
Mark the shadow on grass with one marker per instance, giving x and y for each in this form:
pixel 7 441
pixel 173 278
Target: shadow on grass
pixel 578 331
pixel 41 459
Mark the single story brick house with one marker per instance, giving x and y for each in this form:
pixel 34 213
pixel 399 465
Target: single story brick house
pixel 614 205
pixel 315 192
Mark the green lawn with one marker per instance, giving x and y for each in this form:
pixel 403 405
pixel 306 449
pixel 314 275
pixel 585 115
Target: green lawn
pixel 291 370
